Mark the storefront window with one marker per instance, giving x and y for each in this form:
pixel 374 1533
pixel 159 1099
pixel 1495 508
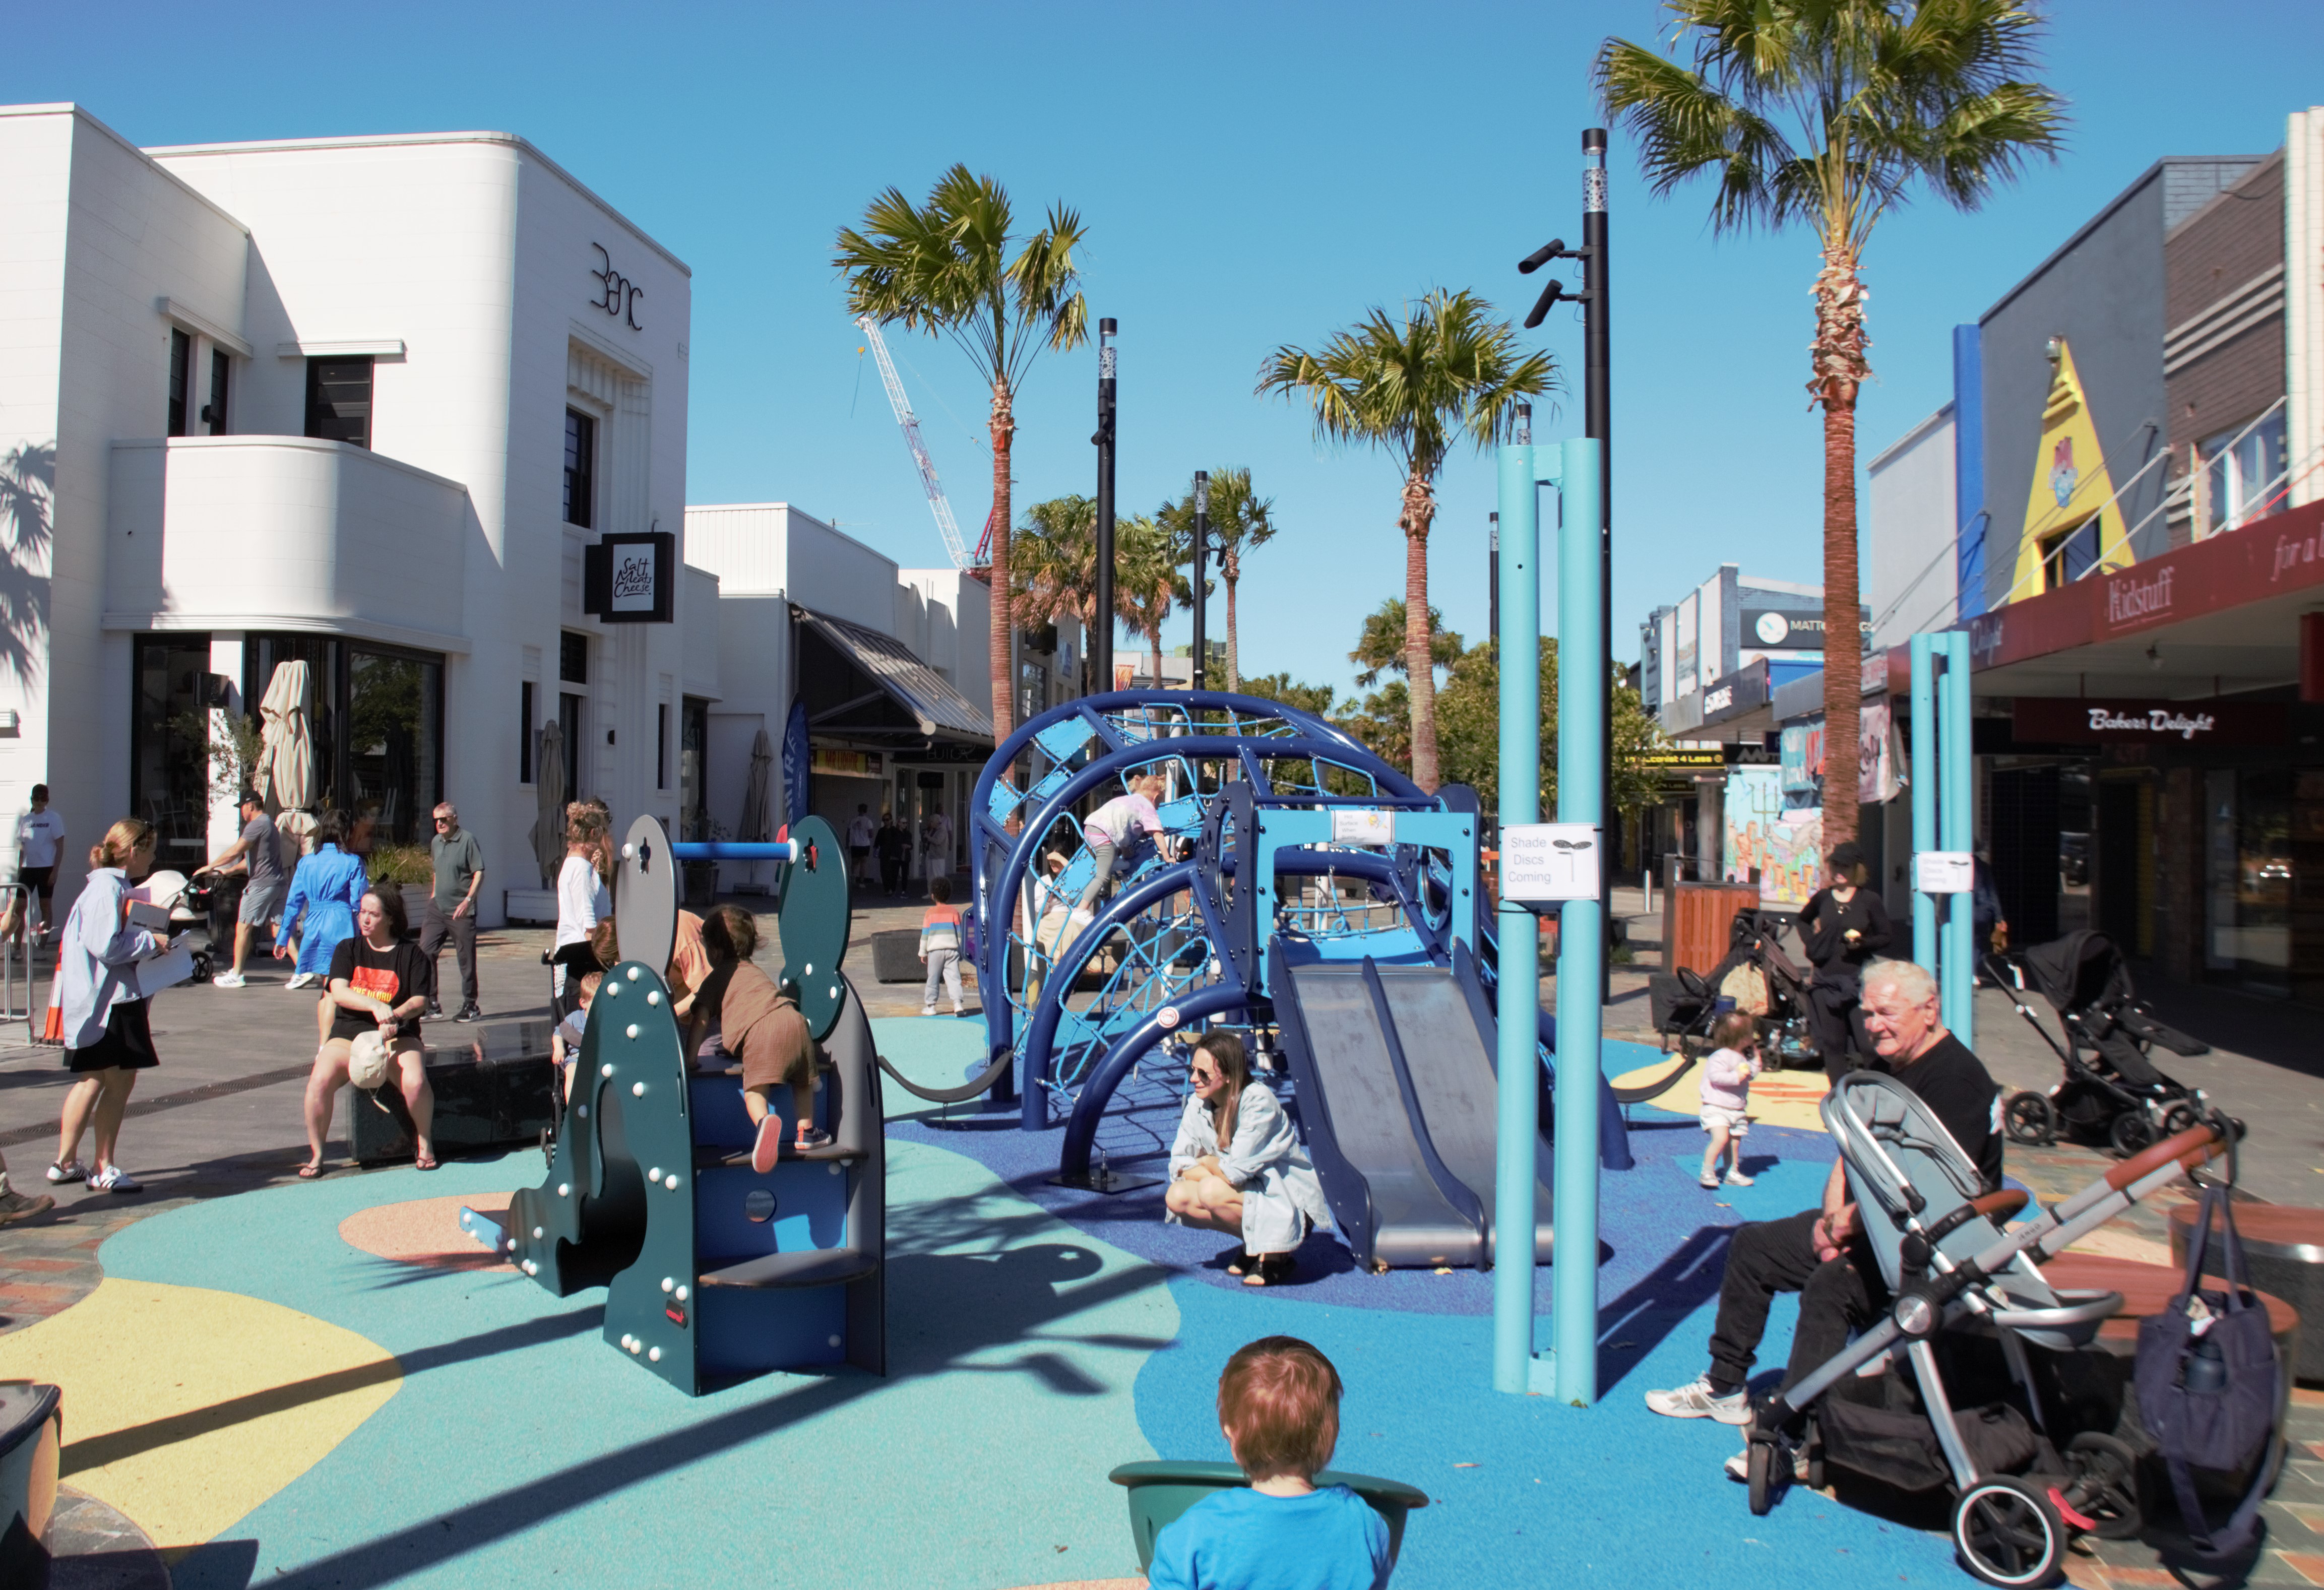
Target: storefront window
pixel 169 780
pixel 377 724
pixel 2247 846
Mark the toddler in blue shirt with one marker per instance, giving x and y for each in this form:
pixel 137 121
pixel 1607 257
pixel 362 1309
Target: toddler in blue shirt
pixel 1279 1408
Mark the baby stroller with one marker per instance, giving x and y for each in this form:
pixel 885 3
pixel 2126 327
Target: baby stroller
pixel 2020 1480
pixel 191 903
pixel 1686 1003
pixel 2111 1092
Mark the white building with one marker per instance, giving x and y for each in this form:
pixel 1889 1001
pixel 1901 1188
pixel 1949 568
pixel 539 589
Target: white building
pixel 1909 534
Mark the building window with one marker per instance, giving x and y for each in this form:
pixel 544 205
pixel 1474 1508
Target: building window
pixel 378 721
pixel 572 658
pixel 214 411
pixel 2242 474
pixel 693 738
pixel 169 730
pixel 568 719
pixel 182 360
pixel 338 401
pixel 661 745
pixel 2067 555
pixel 524 735
pixel 580 468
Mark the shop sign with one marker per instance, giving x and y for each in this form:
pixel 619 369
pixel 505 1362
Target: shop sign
pixel 1784 629
pixel 632 579
pixel 617 295
pixel 1685 755
pixel 845 764
pixel 2074 720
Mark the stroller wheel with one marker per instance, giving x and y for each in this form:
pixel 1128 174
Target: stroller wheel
pixel 2031 1119
pixel 2178 1118
pixel 2007 1532
pixel 1760 1471
pixel 2131 1134
pixel 2105 1485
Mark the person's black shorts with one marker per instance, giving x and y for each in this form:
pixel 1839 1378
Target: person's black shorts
pixel 41 880
pixel 128 1042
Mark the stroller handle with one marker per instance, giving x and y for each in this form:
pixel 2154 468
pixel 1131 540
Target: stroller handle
pixel 2195 1147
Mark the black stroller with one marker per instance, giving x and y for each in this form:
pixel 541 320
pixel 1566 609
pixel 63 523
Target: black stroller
pixel 1686 1003
pixel 2112 1093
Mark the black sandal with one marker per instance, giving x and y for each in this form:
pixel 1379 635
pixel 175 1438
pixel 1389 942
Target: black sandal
pixel 1242 1262
pixel 1271 1270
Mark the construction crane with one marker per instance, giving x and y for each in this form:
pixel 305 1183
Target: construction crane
pixel 937 502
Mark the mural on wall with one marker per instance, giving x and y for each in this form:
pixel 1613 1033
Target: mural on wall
pixel 2072 521
pixel 1786 845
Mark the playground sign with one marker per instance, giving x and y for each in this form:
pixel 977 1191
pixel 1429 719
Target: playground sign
pixel 1363 828
pixel 1545 862
pixel 1944 872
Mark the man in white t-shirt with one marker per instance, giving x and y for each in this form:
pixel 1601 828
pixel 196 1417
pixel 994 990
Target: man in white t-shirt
pixel 39 841
pixel 935 844
pixel 859 835
pixel 1114 828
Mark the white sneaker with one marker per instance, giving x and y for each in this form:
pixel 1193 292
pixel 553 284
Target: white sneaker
pixel 931 1010
pixel 1696 1400
pixel 1709 1181
pixel 227 979
pixel 71 1171
pixel 114 1179
pixel 1737 1179
pixel 298 981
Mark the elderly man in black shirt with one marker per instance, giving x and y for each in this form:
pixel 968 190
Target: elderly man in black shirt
pixel 1819 1252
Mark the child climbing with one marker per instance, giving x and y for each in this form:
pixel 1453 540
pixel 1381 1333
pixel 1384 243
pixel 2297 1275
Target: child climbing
pixel 564 1043
pixel 1727 1074
pixel 761 1027
pixel 1280 1410
pixel 940 946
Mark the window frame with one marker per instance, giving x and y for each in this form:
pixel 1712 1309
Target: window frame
pixel 215 412
pixel 581 478
pixel 315 366
pixel 181 381
pixel 529 696
pixel 2057 548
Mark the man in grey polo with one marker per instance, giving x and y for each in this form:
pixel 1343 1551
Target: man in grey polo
pixel 452 908
pixel 257 852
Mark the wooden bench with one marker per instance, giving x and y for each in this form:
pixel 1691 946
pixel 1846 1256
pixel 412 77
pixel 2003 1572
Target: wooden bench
pixel 2283 1244
pixel 2146 1289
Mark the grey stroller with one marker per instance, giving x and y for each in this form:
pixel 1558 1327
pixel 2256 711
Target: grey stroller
pixel 2020 1483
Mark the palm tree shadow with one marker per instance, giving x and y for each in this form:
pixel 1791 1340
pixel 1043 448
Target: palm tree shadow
pixel 27 482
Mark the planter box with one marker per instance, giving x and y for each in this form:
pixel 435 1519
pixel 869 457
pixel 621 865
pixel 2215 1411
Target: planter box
pixel 534 906
pixel 416 899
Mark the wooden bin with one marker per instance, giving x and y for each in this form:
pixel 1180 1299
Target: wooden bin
pixel 1696 918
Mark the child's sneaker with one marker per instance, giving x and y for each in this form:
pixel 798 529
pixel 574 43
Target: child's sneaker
pixel 1696 1400
pixel 931 1010
pixel 768 1145
pixel 1711 1182
pixel 72 1170
pixel 814 1137
pixel 1737 1179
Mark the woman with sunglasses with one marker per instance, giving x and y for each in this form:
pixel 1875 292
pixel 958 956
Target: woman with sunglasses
pixel 1237 1165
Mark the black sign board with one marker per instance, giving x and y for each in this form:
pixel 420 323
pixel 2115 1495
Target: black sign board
pixel 632 579
pixel 2038 719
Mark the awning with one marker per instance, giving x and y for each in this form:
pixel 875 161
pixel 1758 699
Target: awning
pixel 868 689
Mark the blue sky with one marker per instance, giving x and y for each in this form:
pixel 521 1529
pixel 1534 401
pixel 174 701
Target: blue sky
pixel 1250 174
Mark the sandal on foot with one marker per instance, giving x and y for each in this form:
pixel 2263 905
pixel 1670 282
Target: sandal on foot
pixel 426 1162
pixel 1271 1270
pixel 309 1173
pixel 1242 1262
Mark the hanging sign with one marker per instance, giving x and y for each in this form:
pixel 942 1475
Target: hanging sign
pixel 632 579
pixel 1363 828
pixel 1546 862
pixel 1944 872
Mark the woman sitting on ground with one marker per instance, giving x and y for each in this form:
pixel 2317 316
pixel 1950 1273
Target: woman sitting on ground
pixel 379 982
pixel 1238 1167
pixel 761 1025
pixel 325 890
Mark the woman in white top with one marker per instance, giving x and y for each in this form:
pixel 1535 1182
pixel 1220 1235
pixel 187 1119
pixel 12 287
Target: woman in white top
pixel 1238 1167
pixel 583 900
pixel 107 1038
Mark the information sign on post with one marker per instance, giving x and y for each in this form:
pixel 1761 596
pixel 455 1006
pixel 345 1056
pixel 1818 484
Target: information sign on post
pixel 1543 863
pixel 1363 827
pixel 1944 872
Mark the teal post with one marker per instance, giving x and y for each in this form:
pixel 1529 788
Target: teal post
pixel 1957 822
pixel 1581 943
pixel 1925 781
pixel 1519 988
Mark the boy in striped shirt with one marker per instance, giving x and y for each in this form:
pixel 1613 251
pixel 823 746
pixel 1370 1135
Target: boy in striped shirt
pixel 940 939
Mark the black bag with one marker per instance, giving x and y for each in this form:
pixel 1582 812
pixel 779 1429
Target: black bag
pixel 2210 1399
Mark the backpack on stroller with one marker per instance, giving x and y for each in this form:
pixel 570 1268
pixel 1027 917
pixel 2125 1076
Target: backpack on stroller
pixel 2112 1092
pixel 2021 1480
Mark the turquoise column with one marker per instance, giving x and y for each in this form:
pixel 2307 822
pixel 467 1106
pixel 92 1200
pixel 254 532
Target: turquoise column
pixel 1957 822
pixel 1582 943
pixel 1925 780
pixel 1519 992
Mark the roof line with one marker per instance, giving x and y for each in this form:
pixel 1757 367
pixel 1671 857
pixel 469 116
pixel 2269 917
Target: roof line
pixel 2092 225
pixel 66 107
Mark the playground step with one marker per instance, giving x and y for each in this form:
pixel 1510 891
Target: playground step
pixel 712 1156
pixel 823 1266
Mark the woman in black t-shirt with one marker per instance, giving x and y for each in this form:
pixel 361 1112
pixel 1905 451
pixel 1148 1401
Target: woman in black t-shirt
pixel 379 982
pixel 1844 925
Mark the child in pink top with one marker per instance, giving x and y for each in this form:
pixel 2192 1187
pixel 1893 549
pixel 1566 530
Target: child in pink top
pixel 1727 1074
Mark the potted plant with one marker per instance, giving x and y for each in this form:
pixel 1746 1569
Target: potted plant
pixel 410 868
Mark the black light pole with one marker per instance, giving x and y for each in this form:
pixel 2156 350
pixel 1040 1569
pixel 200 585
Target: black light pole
pixel 1493 579
pixel 1598 424
pixel 1198 672
pixel 1101 638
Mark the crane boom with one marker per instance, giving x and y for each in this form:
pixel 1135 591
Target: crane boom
pixel 937 503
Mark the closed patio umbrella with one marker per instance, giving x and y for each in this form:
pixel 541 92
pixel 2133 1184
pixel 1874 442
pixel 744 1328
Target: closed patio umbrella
pixel 548 789
pixel 285 774
pixel 757 823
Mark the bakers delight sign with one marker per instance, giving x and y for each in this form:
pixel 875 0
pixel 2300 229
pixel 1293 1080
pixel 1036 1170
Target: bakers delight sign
pixel 2191 723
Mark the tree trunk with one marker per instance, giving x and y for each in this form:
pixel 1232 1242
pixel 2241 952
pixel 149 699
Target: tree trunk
pixel 1230 573
pixel 1840 368
pixel 1419 512
pixel 999 656
pixel 1154 639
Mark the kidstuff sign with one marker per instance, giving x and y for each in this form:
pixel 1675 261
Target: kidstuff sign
pixel 2073 721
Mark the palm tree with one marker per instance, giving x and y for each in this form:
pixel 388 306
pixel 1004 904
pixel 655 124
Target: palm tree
pixel 1053 560
pixel 1415 386
pixel 1145 581
pixel 1380 647
pixel 1240 520
pixel 1826 112
pixel 948 267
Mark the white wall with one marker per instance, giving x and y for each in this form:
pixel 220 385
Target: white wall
pixel 1911 578
pixel 944 615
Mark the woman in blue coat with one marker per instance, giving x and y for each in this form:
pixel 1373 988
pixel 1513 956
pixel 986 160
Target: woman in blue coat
pixel 327 888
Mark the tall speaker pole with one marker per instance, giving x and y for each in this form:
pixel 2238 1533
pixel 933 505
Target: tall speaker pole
pixel 1101 637
pixel 1598 425
pixel 1198 674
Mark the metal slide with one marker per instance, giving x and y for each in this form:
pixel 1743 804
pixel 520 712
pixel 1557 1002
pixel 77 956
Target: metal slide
pixel 1396 1089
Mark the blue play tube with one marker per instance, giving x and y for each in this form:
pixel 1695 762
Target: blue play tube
pixel 735 850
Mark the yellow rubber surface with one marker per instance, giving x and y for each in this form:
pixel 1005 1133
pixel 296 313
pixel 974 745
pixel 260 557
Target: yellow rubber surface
pixel 1780 1098
pixel 186 1408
